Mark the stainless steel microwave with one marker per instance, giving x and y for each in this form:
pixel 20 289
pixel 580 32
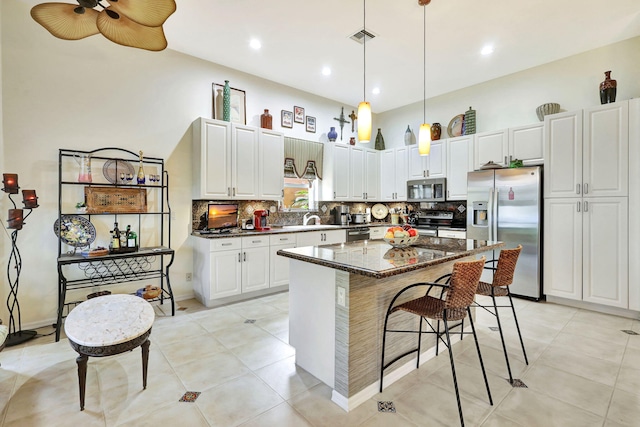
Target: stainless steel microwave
pixel 426 190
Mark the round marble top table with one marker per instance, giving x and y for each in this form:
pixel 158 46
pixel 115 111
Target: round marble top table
pixel 109 325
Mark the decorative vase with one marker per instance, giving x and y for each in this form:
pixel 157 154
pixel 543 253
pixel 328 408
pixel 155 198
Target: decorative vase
pixel 266 120
pixel 332 134
pixel 379 141
pixel 226 102
pixel 436 131
pixel 141 178
pixel 469 122
pixel 352 140
pixel 408 136
pixel 608 89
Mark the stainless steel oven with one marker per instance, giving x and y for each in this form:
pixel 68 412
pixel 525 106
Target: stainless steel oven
pixel 357 233
pixel 426 190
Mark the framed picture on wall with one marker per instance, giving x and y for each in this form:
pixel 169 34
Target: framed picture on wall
pixel 311 124
pixel 238 104
pixel 287 119
pixel 298 114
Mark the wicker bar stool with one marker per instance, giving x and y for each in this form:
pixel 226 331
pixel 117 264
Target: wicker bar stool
pixel 499 287
pixel 458 296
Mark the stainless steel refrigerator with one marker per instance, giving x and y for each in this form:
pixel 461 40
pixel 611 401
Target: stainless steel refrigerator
pixel 506 205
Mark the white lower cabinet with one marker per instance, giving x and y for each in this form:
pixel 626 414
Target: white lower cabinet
pixel 217 268
pixel 586 254
pixel 279 265
pixel 317 238
pixel 255 263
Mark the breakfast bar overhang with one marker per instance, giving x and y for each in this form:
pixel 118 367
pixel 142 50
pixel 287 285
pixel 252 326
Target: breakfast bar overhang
pixel 338 297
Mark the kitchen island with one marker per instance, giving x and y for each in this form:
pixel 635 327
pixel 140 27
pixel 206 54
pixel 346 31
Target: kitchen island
pixel 338 296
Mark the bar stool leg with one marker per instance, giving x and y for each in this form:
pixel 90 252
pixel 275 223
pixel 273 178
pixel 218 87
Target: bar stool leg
pixel 419 342
pixel 384 339
pixel 438 337
pixel 484 373
pixel 145 362
pixel 517 327
pixel 504 347
pixel 81 360
pixel 453 369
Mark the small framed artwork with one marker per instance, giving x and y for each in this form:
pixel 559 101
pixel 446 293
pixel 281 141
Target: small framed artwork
pixel 298 114
pixel 311 124
pixel 238 104
pixel 287 119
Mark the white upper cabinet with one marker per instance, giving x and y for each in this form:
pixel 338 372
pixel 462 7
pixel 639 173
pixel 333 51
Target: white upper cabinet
pixel 587 152
pixel 459 163
pixel 491 147
pixel 232 161
pixel 433 165
pixel 372 174
pixel 393 174
pixel 356 172
pixel 352 173
pixel 526 143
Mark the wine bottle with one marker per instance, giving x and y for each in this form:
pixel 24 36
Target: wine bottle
pixel 115 237
pixel 132 240
pixel 141 178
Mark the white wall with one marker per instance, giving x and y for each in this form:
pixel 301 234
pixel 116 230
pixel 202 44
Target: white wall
pixel 92 93
pixel 512 100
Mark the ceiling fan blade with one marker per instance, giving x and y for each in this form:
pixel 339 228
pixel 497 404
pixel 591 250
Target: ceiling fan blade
pixel 124 31
pixel 61 20
pixel 151 13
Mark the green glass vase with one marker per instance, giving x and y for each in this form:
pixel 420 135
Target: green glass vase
pixel 226 102
pixel 379 140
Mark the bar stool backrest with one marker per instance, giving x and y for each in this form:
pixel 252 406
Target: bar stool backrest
pixel 464 283
pixel 503 275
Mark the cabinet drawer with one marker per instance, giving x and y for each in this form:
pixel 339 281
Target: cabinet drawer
pixel 255 241
pixel 377 232
pixel 452 234
pixel 216 245
pixel 282 239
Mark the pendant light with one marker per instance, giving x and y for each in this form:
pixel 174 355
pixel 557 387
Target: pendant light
pixel 424 137
pixel 364 109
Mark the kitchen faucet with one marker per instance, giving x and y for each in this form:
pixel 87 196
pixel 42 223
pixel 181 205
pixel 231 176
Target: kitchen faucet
pixel 307 218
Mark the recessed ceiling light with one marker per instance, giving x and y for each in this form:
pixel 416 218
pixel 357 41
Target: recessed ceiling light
pixel 487 50
pixel 255 44
pixel 326 71
pixel 376 90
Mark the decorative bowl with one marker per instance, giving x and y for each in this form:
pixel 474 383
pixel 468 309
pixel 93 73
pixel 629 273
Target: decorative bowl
pixel 548 108
pixel 401 256
pixel 401 242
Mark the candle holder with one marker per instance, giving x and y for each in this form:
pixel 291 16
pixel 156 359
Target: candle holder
pixel 15 222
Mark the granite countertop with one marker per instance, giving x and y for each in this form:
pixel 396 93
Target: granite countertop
pixel 378 259
pixel 275 229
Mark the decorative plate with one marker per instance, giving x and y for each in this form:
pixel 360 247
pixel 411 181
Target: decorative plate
pixel 379 211
pixel 75 230
pixel 455 126
pixel 112 169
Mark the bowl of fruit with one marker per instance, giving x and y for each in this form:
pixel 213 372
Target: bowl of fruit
pixel 401 237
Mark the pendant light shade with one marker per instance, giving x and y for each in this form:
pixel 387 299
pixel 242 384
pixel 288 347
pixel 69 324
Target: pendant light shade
pixel 364 122
pixel 424 139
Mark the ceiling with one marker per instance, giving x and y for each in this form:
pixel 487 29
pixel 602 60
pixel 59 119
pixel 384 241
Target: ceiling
pixel 299 38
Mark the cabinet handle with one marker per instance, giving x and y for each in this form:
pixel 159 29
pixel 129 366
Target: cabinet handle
pixel 228 191
pixel 428 172
pixel 510 158
pixel 226 244
pixel 239 259
pixel 234 191
pixel 586 206
pixel 577 188
pixel 334 195
pixel 244 256
pixel 505 160
pixel 282 239
pixel 578 207
pixel 586 188
pixel 424 174
pixel 256 241
pixel 447 194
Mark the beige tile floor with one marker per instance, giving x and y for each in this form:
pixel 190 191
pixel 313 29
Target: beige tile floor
pixel 582 371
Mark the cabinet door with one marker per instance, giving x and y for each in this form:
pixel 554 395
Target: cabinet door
pixel 377 232
pixel 372 175
pixel 400 174
pixel 271 155
pixel 526 143
pixel 634 204
pixel 563 248
pixel 437 159
pixel 417 164
pixel 308 238
pixel 279 266
pixel 388 184
pixel 491 146
pixel 211 159
pixel 459 161
pixel 356 173
pixel 563 155
pixel 332 237
pixel 341 174
pixel 245 163
pixel 606 150
pixel 605 251
pixel 226 268
pixel 255 268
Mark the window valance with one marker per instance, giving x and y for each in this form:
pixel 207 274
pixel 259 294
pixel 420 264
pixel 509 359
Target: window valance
pixel 303 157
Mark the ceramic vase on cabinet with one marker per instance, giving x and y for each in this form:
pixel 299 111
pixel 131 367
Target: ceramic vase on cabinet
pixel 379 141
pixel 408 136
pixel 436 131
pixel 469 122
pixel 266 120
pixel 226 102
pixel 332 134
pixel 608 89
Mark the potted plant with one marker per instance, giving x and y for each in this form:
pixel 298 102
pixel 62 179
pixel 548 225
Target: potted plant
pixel 81 207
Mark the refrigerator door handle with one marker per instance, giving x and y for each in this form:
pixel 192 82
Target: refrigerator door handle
pixel 495 214
pixel 490 214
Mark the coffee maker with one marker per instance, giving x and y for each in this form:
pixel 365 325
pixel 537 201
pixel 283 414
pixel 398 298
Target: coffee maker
pixel 260 220
pixel 342 215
